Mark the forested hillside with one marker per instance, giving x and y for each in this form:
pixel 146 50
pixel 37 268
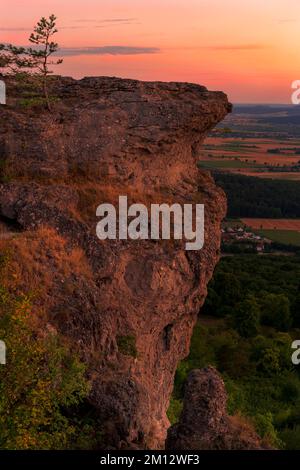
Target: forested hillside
pixel 249 196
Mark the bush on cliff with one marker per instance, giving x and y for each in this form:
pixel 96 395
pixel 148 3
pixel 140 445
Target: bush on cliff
pixel 40 382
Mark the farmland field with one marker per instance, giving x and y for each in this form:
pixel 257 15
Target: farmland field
pixel 223 164
pixel 286 237
pixel 286 231
pixel 259 141
pixel 273 224
pixel 254 150
pixel 289 176
pixel 253 157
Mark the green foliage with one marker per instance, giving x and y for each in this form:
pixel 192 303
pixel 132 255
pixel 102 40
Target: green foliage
pixel 246 317
pixel 254 359
pixel 3 176
pixel 174 410
pixel 275 286
pixel 290 390
pixel 291 437
pixel 41 381
pixel 249 340
pixel 126 345
pixel 282 238
pixel 224 293
pixel 276 311
pixel 295 309
pixel 41 37
pixel 265 428
pixel 14 59
pixel 260 380
pixel 45 48
pixel 33 60
pixel 249 196
pixel 35 101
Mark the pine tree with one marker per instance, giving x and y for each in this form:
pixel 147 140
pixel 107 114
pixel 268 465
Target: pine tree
pixel 41 37
pixel 33 60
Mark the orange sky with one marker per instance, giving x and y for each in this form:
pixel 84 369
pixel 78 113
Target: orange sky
pixel 248 48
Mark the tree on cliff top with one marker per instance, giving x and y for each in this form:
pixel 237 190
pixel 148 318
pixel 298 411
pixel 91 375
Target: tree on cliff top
pixel 33 60
pixel 41 37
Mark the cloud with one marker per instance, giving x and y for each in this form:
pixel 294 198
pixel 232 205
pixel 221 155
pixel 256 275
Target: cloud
pixel 105 23
pixel 109 21
pixel 14 29
pixel 30 28
pixel 118 20
pixel 108 25
pixel 106 50
pixel 72 27
pixel 288 20
pixel 235 47
pixel 226 47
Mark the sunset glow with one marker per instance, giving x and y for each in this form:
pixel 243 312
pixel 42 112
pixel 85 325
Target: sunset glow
pixel 249 49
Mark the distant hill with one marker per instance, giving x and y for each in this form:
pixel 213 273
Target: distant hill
pixel 289 110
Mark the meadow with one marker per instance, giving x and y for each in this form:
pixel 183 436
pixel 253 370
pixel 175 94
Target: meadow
pixel 285 237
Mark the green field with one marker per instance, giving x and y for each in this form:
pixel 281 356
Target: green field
pixel 233 146
pixel 288 237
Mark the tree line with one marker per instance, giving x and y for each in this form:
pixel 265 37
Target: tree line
pixel 249 196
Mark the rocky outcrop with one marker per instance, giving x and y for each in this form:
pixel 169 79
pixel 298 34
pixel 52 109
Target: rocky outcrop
pixel 204 423
pixel 128 307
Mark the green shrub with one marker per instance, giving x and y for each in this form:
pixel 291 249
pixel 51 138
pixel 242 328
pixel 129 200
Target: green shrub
pixel 39 383
pixel 265 428
pixel 35 101
pixel 127 345
pixel 275 311
pixel 174 410
pixel 291 438
pixel 246 317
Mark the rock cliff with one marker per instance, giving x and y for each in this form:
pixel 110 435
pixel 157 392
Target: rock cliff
pixel 204 423
pixel 128 307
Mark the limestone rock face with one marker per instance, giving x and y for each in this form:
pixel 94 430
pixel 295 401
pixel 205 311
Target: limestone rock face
pixel 204 423
pixel 128 307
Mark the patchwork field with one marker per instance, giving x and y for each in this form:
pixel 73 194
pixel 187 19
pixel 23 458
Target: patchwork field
pixel 253 150
pixel 251 153
pixel 287 237
pixel 255 141
pixel 289 176
pixel 226 163
pixel 273 224
pixel 286 231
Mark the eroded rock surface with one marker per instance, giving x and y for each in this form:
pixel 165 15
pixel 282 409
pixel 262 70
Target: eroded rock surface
pixel 129 307
pixel 204 423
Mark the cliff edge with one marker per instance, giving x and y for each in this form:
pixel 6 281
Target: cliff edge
pixel 128 307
